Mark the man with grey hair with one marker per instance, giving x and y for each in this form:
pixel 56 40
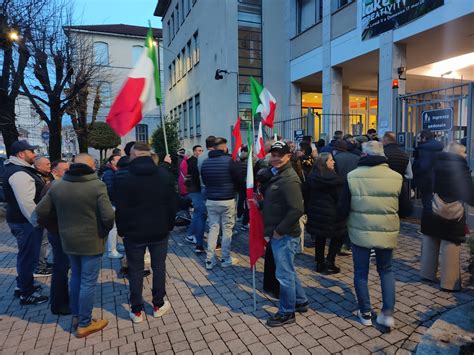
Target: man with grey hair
pixel 370 199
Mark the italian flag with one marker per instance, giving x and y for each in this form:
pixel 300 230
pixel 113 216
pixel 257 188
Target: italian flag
pixel 262 102
pixel 259 144
pixel 256 232
pixel 141 92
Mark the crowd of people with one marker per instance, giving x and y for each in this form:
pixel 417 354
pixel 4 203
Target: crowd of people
pixel 349 194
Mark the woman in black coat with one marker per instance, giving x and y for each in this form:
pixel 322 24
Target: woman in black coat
pixel 452 183
pixel 325 187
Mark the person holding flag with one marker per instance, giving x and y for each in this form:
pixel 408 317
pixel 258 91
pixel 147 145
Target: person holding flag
pixel 282 209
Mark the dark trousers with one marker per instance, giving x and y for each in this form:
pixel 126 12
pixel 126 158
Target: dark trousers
pixel 28 240
pixel 242 208
pixel 426 194
pixel 59 296
pixel 270 282
pixel 135 254
pixel 334 247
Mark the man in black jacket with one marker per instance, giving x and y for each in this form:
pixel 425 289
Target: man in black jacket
pixel 193 185
pixel 425 155
pixel 145 212
pixel 396 156
pixel 222 178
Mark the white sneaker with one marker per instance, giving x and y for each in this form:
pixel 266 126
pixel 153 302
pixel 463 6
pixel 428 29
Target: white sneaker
pixel 210 264
pixel 115 255
pixel 229 262
pixel 190 239
pixel 365 318
pixel 137 317
pixel 159 311
pixel 387 321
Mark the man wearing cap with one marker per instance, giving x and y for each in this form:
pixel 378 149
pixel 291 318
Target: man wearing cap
pixel 222 178
pixel 282 209
pixel 22 187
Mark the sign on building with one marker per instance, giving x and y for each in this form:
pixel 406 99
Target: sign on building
pixel 438 120
pixel 379 16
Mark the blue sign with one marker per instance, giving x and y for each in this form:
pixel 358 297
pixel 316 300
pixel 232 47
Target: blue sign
pixel 438 120
pixel 299 133
pixel 45 136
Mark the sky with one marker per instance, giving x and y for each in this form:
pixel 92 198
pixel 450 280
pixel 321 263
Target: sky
pixel 129 12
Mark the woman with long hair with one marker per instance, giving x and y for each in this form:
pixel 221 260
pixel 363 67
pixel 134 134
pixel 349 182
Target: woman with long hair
pixel 325 188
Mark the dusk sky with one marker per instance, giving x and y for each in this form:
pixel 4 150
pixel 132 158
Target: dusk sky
pixel 130 12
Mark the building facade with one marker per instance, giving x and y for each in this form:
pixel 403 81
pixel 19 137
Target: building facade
pixel 203 36
pixel 117 48
pixel 343 62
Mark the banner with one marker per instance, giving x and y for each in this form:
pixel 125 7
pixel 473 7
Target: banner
pixel 379 16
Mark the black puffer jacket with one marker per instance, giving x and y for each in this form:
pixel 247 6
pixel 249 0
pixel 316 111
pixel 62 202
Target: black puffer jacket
pixel 452 182
pixel 425 155
pixel 146 204
pixel 324 192
pixel 397 158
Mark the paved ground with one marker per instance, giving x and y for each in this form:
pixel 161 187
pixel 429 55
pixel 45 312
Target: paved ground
pixel 213 311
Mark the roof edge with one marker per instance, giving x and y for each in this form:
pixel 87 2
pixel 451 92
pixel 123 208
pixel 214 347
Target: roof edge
pixel 161 8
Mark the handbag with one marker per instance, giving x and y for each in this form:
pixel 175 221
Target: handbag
pixel 450 211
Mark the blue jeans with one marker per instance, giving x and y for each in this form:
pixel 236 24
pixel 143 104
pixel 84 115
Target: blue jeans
pixel 198 223
pixel 291 291
pixel 28 240
pixel 361 259
pixel 84 274
pixel 135 253
pixel 59 296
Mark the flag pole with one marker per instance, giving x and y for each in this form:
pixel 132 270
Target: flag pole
pixel 157 48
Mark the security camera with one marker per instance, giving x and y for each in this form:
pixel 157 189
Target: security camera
pixel 401 70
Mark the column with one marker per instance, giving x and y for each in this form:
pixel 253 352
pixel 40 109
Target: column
pixel 391 57
pixel 332 78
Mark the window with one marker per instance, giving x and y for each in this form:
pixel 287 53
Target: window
pixel 185 120
pixel 191 117
pixel 141 133
pixel 182 11
pixel 178 68
pixel 173 72
pixel 181 121
pixel 196 48
pixel 189 63
pixel 169 32
pixel 136 53
pixel 184 64
pixel 177 17
pixel 105 92
pixel 250 55
pixel 173 31
pixel 101 52
pixel 198 115
pixel 170 77
pixel 337 4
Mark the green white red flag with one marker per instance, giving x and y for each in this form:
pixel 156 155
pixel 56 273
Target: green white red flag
pixel 238 139
pixel 256 232
pixel 259 143
pixel 141 92
pixel 263 102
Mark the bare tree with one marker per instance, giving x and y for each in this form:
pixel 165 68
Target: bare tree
pixel 62 66
pixel 16 18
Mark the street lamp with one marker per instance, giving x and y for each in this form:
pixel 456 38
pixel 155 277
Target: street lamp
pixel 219 76
pixel 13 36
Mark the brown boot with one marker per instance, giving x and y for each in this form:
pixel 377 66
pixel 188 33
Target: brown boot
pixel 95 326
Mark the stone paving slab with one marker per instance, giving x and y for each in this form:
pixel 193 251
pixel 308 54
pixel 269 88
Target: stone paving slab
pixel 212 311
